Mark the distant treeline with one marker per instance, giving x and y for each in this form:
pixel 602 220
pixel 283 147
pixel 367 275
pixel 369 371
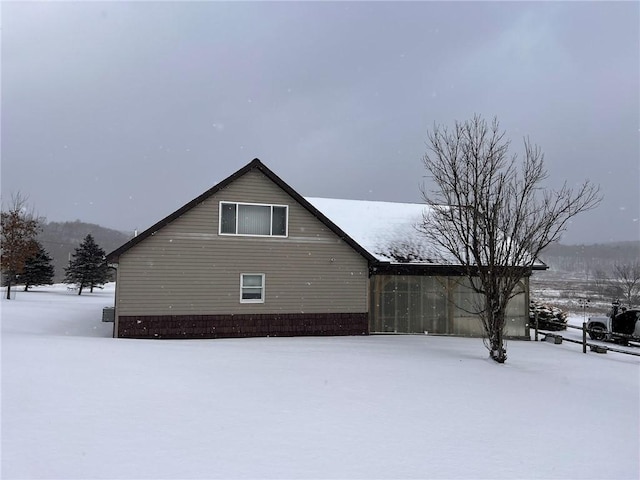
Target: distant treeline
pixel 61 239
pixel 590 258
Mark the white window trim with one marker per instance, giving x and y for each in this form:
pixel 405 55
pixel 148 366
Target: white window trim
pixel 262 290
pixel 286 227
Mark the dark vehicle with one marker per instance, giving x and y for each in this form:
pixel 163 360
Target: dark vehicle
pixel 620 326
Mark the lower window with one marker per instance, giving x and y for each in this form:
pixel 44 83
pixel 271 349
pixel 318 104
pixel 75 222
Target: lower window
pixel 252 288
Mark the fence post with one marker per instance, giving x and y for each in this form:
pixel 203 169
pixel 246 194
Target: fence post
pixel 535 319
pixel 584 337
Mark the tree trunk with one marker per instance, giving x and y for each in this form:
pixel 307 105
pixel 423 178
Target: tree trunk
pixel 80 289
pixel 497 351
pixel 8 287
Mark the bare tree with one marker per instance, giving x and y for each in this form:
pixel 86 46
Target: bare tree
pixel 19 230
pixel 627 278
pixel 490 214
pixel 600 280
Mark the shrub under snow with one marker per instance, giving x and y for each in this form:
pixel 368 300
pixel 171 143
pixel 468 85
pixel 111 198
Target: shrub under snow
pixel 549 317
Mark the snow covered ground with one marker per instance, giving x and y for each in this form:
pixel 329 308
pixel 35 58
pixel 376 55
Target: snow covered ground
pixel 78 404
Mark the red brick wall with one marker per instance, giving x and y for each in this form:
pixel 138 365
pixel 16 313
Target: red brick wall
pixel 245 325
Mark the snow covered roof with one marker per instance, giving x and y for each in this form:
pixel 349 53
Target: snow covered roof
pixel 387 230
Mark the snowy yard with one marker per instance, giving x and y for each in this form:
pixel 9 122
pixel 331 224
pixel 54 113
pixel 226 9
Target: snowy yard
pixel 79 404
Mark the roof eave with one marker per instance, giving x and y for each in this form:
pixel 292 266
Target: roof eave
pixel 397 268
pixel 115 255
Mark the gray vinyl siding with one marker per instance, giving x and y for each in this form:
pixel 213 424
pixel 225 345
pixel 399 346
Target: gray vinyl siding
pixel 188 268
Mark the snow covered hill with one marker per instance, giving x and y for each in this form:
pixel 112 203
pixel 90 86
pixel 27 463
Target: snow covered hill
pixel 77 404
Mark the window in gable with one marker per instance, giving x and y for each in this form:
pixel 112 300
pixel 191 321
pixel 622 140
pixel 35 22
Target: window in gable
pixel 253 219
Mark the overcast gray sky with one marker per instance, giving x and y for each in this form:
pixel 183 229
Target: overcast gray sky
pixel 119 113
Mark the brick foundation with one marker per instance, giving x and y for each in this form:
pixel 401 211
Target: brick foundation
pixel 243 325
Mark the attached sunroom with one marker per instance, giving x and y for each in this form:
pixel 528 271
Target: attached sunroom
pixel 411 291
pixel 436 304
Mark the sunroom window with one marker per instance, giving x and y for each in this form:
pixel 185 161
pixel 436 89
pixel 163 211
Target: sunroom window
pixel 253 219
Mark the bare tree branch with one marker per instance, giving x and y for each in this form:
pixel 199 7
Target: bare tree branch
pixel 490 213
pixel 627 277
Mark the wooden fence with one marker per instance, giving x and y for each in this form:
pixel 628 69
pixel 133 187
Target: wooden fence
pixel 594 347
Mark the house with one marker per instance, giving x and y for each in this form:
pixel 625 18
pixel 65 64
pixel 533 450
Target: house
pixel 252 257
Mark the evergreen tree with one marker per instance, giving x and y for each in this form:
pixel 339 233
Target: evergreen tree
pixel 38 269
pixel 88 266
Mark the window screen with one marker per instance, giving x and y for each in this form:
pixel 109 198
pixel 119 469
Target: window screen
pixel 279 221
pixel 228 218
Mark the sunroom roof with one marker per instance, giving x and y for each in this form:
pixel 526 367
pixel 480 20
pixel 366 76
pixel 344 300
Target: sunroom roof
pixel 387 230
pixel 384 229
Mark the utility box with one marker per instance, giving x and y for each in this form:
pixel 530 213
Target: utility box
pixel 109 314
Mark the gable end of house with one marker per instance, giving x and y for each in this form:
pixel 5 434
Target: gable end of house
pixel 255 164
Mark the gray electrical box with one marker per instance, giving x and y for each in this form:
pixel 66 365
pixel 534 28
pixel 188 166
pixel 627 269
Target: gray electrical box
pixel 109 314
